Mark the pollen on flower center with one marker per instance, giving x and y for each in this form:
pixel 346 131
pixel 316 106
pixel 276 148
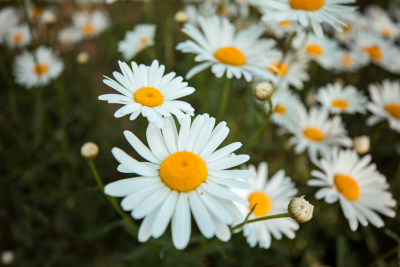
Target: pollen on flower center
pixel 148 96
pixel 314 49
pixel 309 5
pixel 40 69
pixel 88 29
pixel 393 109
pixel 374 52
pixel 314 134
pixel 282 68
pixel 183 171
pixel 347 186
pixel 230 55
pixel 340 104
pixel 280 109
pixel 263 203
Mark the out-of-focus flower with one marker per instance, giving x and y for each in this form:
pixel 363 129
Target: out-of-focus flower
pixel 300 209
pixel 237 54
pixel 318 133
pixel 162 192
pixel 82 58
pixel 48 17
pixel 359 187
pixel 323 51
pixel 89 150
pixel 7 257
pixel 181 16
pixel 91 24
pixel 385 103
pixel 271 196
pixel 361 144
pixel 146 90
pixel 309 13
pixel 8 20
pixel 69 36
pixel 263 91
pixel 18 37
pixel 38 69
pixel 135 41
pixel 339 99
pixel 350 60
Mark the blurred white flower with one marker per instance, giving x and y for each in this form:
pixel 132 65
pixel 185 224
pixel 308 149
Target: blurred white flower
pixel 136 40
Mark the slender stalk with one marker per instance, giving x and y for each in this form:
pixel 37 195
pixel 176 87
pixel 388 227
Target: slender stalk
pixel 260 131
pixel 113 202
pixel 39 115
pixel 224 99
pixel 276 216
pixel 168 34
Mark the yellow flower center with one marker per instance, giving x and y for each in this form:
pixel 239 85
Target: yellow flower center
pixel 374 52
pixel 285 23
pixel 36 12
pixel 144 40
pixel 183 171
pixel 340 104
pixel 40 69
pixel 393 109
pixel 314 134
pixel 281 110
pixel 88 29
pixel 282 68
pixel 148 96
pixel 17 38
pixel 346 29
pixel 230 55
pixel 314 49
pixel 309 5
pixel 347 61
pixel 388 32
pixel 347 186
pixel 263 203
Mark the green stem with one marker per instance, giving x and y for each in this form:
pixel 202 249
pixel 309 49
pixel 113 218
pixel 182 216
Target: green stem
pixel 39 115
pixel 276 216
pixel 113 202
pixel 260 131
pixel 168 35
pixel 224 99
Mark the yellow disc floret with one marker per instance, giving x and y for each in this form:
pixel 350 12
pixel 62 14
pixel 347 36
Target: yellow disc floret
pixel 148 96
pixel 314 50
pixel 374 52
pixel 393 109
pixel 263 203
pixel 282 68
pixel 314 134
pixel 339 104
pixel 88 29
pixel 347 61
pixel 347 186
pixel 230 55
pixel 280 109
pixel 183 171
pixel 309 5
pixel 40 69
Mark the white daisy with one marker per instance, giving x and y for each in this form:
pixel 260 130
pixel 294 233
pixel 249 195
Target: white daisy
pixel 39 69
pixel 90 24
pixel 359 187
pixel 8 20
pixel 135 41
pixel 350 60
pixel 184 175
pixel 270 197
pixel 219 46
pixel 317 132
pixel 282 28
pixel 146 90
pixel 339 99
pixel 69 36
pixel 205 9
pixel 385 103
pixel 309 12
pixel 18 36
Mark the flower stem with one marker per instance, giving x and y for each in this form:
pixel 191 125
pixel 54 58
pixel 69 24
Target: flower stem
pixel 276 216
pixel 113 202
pixel 224 99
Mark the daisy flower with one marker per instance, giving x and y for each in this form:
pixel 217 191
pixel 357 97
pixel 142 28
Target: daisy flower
pixel 309 12
pixel 338 99
pixel 146 90
pixel 317 132
pixel 135 41
pixel 18 36
pixel 184 175
pixel 271 196
pixel 385 103
pixel 69 36
pixel 356 183
pixel 350 60
pixel 90 24
pixel 38 69
pixel 236 54
pixel 8 20
pixel 282 28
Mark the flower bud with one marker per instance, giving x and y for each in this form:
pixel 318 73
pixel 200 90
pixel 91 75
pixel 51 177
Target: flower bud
pixel 300 209
pixel 7 257
pixel 361 144
pixel 82 58
pixel 263 91
pixel 181 17
pixel 89 150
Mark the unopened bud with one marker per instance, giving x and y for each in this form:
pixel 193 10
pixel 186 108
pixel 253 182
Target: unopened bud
pixel 89 150
pixel 264 91
pixel 361 144
pixel 7 257
pixel 181 17
pixel 300 209
pixel 82 58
